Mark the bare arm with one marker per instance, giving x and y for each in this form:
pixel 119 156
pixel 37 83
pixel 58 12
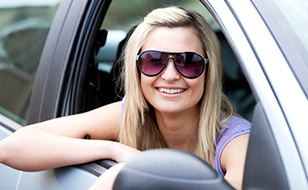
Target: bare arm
pixel 60 142
pixel 233 160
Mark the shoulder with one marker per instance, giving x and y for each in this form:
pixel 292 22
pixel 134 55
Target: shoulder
pixel 236 121
pixel 233 127
pixel 233 159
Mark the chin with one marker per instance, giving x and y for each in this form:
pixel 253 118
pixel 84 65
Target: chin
pixel 170 108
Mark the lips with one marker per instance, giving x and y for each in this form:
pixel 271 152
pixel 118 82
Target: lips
pixel 171 90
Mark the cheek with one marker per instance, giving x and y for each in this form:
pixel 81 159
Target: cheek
pixel 145 85
pixel 199 88
pixel 142 84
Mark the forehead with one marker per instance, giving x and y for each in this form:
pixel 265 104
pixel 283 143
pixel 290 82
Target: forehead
pixel 177 39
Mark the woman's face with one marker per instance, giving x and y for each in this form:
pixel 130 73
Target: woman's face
pixel 170 92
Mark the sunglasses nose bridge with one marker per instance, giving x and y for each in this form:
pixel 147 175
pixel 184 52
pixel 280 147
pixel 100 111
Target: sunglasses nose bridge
pixel 170 73
pixel 170 57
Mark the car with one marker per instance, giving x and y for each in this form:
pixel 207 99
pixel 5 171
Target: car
pixel 62 57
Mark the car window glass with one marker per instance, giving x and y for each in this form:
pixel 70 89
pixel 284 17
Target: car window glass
pixel 24 26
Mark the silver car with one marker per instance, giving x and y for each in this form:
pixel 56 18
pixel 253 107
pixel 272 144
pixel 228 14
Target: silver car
pixel 61 57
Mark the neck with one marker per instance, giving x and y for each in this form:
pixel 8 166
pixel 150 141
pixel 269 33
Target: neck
pixel 178 129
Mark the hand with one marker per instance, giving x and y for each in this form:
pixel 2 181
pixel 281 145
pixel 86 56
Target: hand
pixel 106 180
pixel 123 153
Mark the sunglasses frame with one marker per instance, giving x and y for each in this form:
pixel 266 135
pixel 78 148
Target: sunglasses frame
pixel 205 60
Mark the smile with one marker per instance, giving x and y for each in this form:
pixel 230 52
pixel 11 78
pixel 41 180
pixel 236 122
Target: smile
pixel 171 91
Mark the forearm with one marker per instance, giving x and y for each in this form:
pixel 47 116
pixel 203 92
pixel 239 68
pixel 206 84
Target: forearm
pixel 33 150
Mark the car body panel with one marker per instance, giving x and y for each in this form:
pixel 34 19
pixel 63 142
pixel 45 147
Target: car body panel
pixel 257 72
pixel 280 76
pixel 11 177
pixel 288 28
pixel 10 174
pixel 54 179
pixel 57 179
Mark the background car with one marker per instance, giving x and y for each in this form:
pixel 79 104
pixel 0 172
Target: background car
pixel 62 57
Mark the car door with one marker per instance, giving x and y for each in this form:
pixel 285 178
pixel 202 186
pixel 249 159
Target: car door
pixel 23 30
pixel 277 151
pixel 35 72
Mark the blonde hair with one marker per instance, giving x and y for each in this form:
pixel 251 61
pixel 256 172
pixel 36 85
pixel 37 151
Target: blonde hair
pixel 139 128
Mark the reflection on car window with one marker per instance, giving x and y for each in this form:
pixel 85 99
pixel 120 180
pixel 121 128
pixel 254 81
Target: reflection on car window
pixel 23 29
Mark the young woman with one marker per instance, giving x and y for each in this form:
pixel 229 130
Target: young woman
pixel 173 98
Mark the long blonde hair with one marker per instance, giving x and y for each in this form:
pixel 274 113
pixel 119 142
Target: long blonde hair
pixel 139 128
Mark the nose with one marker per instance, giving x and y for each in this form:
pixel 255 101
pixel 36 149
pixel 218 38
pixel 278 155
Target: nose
pixel 170 72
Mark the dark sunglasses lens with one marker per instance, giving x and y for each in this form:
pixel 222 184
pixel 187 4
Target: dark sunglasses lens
pixel 189 64
pixel 151 63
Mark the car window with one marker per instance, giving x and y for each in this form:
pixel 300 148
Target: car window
pixel 24 26
pixel 103 84
pixel 122 15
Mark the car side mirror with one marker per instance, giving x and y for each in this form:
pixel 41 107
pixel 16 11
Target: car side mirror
pixel 168 169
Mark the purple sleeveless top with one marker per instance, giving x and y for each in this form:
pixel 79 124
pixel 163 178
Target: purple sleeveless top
pixel 234 127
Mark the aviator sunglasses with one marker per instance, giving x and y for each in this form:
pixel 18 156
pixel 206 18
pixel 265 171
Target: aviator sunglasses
pixel 188 64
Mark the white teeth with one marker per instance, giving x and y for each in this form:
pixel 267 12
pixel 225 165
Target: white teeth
pixel 171 91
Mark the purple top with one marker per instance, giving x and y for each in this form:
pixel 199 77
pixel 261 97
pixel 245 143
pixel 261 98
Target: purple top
pixel 235 127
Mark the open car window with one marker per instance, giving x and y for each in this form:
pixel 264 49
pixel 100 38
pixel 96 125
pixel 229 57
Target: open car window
pixel 103 84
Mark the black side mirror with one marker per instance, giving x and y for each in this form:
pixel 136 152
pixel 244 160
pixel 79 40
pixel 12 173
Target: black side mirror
pixel 168 169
